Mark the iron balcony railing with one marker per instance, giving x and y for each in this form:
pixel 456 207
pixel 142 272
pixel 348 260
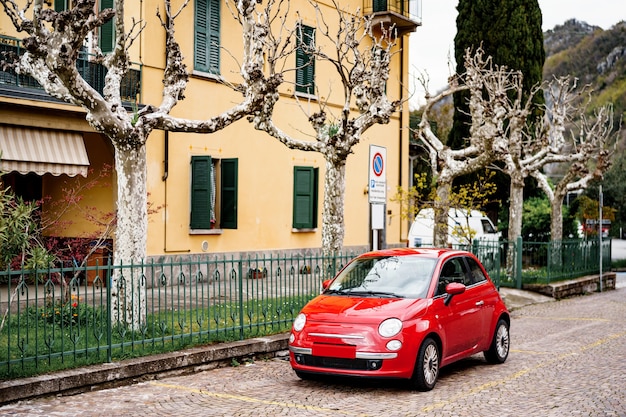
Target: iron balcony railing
pixel 409 9
pixel 91 71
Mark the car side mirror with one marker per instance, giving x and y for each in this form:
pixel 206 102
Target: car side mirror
pixel 325 284
pixel 453 288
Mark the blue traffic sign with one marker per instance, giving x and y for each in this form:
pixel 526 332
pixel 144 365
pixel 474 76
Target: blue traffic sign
pixel 378 164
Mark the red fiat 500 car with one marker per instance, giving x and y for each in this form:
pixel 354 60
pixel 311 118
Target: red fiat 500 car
pixel 401 313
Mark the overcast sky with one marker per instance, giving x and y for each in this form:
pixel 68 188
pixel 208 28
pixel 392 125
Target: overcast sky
pixel 432 44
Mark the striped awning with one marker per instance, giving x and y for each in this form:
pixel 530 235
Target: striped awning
pixel 42 151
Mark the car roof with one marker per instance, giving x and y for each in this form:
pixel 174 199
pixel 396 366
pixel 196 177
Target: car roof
pixel 426 252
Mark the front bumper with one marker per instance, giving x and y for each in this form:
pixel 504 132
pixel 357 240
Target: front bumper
pixel 370 364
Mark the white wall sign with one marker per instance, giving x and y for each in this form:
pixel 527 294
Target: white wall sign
pixel 378 216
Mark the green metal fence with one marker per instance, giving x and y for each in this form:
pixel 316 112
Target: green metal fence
pixel 66 317
pixel 515 263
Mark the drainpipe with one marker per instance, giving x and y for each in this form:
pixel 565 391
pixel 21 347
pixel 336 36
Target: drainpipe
pixel 166 157
pixel 166 160
pixel 400 153
pixel 141 31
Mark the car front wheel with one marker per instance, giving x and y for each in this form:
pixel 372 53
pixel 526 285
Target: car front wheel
pixel 427 366
pixel 499 349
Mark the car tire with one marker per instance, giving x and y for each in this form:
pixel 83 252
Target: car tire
pixel 427 366
pixel 500 344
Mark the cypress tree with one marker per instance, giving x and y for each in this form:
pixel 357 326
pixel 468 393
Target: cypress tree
pixel 507 30
pixel 510 32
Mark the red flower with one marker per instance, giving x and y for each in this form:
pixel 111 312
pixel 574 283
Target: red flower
pixel 74 304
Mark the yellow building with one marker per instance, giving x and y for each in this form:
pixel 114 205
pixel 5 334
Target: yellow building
pixel 247 176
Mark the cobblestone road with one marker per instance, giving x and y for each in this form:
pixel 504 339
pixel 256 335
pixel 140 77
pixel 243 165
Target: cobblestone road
pixel 567 359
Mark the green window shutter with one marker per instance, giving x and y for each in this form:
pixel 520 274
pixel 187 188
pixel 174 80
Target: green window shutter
pixel 214 37
pixel 207 36
pixel 305 72
pixel 60 5
pixel 228 207
pixel 107 31
pixel 201 41
pixel 305 197
pixel 200 192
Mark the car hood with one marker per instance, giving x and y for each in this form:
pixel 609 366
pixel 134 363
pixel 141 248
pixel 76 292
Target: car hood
pixel 332 308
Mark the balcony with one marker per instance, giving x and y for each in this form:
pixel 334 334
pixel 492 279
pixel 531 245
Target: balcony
pixel 24 86
pixel 405 15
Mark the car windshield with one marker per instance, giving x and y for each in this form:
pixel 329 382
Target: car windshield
pixel 391 276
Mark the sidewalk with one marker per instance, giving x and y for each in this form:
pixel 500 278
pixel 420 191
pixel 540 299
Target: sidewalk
pixel 514 298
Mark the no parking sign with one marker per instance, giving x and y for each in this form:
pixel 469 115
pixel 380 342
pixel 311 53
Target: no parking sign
pixel 377 175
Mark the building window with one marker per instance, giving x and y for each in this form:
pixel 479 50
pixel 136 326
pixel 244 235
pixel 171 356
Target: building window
pixel 107 31
pixel 207 36
pixel 305 185
pixel 305 64
pixel 380 5
pixel 213 193
pixel 28 187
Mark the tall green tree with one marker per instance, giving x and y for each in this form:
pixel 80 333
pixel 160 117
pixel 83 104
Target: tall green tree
pixel 507 30
pixel 510 32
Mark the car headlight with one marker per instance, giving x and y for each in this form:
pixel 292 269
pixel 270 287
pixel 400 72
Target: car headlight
pixel 389 327
pixel 299 322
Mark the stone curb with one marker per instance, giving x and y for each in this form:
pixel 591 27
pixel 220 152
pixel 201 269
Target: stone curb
pixel 577 286
pixel 146 368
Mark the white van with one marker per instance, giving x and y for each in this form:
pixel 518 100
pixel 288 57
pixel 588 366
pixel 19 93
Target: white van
pixel 460 222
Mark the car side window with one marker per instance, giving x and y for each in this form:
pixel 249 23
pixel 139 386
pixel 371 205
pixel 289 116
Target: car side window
pixel 476 272
pixel 452 271
pixel 487 226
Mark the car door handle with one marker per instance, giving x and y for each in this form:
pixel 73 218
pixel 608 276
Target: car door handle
pixel 479 303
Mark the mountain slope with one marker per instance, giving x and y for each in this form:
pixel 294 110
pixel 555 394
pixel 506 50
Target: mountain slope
pixel 598 58
pixel 594 56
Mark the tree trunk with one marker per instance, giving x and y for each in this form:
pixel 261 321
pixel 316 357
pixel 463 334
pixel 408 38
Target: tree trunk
pixel 441 209
pixel 128 303
pixel 332 214
pixel 556 230
pixel 556 221
pixel 516 208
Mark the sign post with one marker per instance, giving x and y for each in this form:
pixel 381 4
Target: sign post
pixel 377 190
pixel 600 226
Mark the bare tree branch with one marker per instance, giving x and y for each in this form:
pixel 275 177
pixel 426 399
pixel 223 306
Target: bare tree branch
pixel 591 149
pixel 51 55
pixel 361 61
pixel 495 117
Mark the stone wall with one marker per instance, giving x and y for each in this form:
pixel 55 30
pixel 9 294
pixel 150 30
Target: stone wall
pixel 578 286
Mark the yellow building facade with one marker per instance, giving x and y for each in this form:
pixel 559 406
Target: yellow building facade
pixel 251 176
